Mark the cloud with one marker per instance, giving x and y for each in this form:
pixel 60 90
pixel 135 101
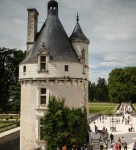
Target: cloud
pixel 109 24
pixel 94 75
pixel 119 59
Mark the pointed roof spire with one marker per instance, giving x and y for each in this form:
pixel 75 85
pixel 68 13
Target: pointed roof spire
pixel 77 17
pixel 78 33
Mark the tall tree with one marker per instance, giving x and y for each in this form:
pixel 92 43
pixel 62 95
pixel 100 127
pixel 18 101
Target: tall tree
pixel 92 90
pixel 63 126
pixel 122 84
pixel 99 91
pixel 9 60
pixel 102 91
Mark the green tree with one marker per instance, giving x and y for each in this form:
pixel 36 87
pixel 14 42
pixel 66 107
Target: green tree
pixel 102 91
pixel 122 84
pixel 92 90
pixel 9 60
pixel 99 91
pixel 64 126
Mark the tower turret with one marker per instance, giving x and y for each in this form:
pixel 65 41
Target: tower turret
pixel 79 41
pixel 51 68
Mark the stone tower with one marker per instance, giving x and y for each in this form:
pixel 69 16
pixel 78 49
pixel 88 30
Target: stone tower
pixel 54 65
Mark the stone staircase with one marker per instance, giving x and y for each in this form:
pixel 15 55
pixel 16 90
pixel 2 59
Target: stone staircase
pixel 96 143
pixel 95 139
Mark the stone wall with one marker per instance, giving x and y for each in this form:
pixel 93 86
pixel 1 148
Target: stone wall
pixel 10 141
pixel 55 69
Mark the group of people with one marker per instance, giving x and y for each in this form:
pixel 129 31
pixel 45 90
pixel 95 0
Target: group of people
pixel 89 146
pixel 121 143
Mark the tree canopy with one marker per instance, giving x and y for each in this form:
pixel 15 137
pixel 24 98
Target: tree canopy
pixel 9 60
pixel 99 91
pixel 64 126
pixel 122 84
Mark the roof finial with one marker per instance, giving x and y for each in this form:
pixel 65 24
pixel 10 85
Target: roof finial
pixel 77 17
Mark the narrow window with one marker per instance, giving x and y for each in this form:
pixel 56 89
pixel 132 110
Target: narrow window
pixel 43 96
pixel 42 63
pixel 41 129
pixel 24 68
pixel 66 67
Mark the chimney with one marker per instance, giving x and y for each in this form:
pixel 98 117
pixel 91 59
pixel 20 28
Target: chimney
pixel 32 27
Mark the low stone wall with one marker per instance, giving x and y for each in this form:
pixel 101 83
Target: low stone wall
pixel 10 141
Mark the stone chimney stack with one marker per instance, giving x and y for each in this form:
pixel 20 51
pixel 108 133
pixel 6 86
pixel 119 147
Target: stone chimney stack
pixel 32 27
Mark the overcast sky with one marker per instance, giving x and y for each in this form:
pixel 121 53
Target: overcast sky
pixel 110 26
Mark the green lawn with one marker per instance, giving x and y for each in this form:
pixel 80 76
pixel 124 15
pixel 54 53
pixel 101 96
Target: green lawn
pixel 8 121
pixel 3 124
pixel 102 108
pixel 7 125
pixel 134 106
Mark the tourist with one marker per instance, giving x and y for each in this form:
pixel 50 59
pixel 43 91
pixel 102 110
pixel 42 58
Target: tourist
pixel 125 145
pixel 111 137
pixel 64 148
pixel 122 120
pixel 116 146
pixel 92 145
pixel 103 118
pixel 132 128
pixel 96 129
pixel 88 146
pixel 85 147
pixel 119 140
pixel 74 147
pixel 104 146
pixel 123 141
pixel 134 146
pixel 119 144
pixel 103 130
pixel 113 145
pixel 101 146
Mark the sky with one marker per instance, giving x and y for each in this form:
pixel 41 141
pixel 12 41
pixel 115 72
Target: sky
pixel 110 25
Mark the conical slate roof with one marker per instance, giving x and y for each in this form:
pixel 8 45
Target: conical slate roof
pixel 54 37
pixel 78 34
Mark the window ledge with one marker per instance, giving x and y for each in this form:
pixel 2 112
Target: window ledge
pixel 42 108
pixel 43 71
pixel 40 142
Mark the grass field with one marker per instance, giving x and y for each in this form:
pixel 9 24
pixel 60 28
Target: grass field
pixel 7 125
pixel 134 106
pixel 8 121
pixel 2 124
pixel 102 108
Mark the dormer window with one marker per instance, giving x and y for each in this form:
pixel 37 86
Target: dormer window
pixel 43 59
pixel 42 63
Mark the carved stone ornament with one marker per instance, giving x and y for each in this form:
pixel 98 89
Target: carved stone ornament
pixel 44 50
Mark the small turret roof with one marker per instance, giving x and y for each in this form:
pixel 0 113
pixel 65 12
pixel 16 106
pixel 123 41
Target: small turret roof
pixel 78 33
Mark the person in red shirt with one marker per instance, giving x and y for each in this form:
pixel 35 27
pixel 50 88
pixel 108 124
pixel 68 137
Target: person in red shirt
pixel 64 148
pixel 116 146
